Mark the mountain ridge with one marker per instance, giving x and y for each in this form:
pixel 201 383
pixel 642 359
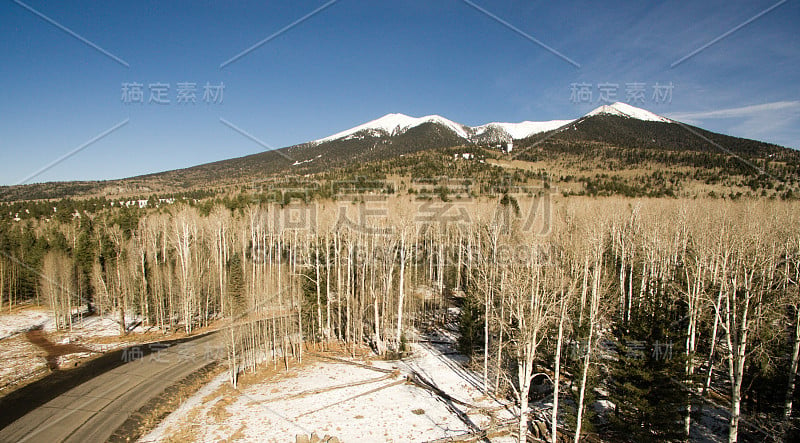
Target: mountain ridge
pixel 615 135
pixel 396 123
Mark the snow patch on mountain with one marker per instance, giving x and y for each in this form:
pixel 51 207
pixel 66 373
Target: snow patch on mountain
pixel 396 124
pixel 626 110
pixel 521 129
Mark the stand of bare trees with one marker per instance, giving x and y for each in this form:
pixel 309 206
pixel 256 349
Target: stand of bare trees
pixel 58 288
pixel 716 280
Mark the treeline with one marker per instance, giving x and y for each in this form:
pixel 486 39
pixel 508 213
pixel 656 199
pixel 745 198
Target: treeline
pixel 64 210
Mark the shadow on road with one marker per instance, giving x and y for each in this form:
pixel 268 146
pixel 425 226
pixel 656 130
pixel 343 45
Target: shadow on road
pixel 37 337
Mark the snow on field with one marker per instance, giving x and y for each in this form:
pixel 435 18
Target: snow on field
pixel 30 344
pixel 346 401
pixel 104 326
pixel 37 317
pixel 23 321
pixel 20 360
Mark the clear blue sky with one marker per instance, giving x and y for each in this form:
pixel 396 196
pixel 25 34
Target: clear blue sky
pixel 358 60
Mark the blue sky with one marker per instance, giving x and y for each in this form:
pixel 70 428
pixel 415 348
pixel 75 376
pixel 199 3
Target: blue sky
pixel 355 61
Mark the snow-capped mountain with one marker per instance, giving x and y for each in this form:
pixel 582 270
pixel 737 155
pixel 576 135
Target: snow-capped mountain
pixel 497 131
pixel 396 124
pixel 617 131
pixel 626 110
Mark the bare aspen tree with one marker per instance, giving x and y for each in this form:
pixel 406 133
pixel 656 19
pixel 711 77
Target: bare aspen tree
pixel 744 294
pixel 792 257
pixel 598 244
pixel 111 279
pixel 58 287
pixel 695 269
pixel 567 280
pixel 563 306
pixel 328 266
pixel 401 288
pixel 718 278
pixel 220 223
pixel 183 240
pixel 530 296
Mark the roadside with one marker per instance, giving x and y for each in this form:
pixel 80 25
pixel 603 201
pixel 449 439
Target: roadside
pixel 31 348
pixel 428 396
pixel 92 401
pixel 39 364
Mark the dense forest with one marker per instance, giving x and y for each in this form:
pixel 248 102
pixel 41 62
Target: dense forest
pixel 662 308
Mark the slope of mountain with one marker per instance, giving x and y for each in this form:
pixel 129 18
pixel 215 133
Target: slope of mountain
pixel 618 136
pixel 625 134
pixel 614 130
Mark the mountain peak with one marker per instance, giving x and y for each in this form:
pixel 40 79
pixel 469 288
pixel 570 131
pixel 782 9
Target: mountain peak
pixel 393 124
pixel 625 110
pixel 396 123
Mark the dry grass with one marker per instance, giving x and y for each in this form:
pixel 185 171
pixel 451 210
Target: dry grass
pixel 236 436
pixel 184 432
pixel 225 396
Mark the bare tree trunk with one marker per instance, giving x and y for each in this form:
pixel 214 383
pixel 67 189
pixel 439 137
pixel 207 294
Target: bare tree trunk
pixel 327 287
pixel 693 292
pixel 525 369
pixel 584 376
pixel 402 290
pixel 787 405
pixel 593 312
pixel 486 341
pixel 791 384
pixel 499 363
pixel 557 375
pixel 318 284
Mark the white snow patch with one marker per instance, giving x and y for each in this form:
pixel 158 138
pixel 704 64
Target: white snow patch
pixel 82 326
pixel 104 326
pixel 23 321
pixel 400 412
pixel 626 110
pixel 20 360
pixel 394 124
pixel 522 129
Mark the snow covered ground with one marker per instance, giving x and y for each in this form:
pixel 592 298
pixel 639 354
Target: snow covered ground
pixel 28 338
pixel 19 361
pixel 38 317
pixel 352 403
pixel 23 321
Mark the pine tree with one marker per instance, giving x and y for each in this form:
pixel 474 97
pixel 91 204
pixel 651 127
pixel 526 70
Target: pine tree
pixel 236 285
